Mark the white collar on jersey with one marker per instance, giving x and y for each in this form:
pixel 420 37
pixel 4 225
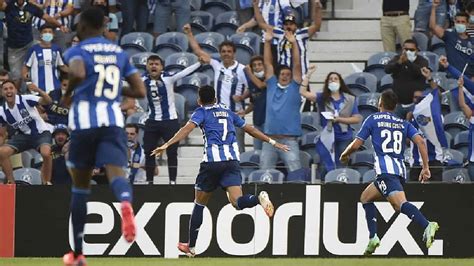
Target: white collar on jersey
pixel 230 67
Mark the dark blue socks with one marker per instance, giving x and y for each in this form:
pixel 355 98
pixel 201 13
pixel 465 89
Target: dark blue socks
pixel 414 214
pixel 370 217
pixel 79 214
pixel 122 189
pixel 195 223
pixel 247 201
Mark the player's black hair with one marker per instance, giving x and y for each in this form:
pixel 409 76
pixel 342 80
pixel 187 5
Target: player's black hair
pixel 8 81
pixel 389 100
pixel 46 26
pixel 135 126
pixel 256 58
pixel 207 94
pixel 280 68
pixel 463 14
pixel 92 17
pixel 412 42
pixel 154 57
pixel 227 43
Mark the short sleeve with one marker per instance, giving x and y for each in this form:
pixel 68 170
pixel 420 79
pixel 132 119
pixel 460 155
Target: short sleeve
pixel 197 117
pixel 411 131
pixel 31 100
pixel 237 120
pixel 364 131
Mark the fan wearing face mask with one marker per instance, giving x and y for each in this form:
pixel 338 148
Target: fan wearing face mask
pixel 458 43
pixel 337 99
pixel 407 78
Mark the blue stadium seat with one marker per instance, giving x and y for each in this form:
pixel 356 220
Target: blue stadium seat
pixel 270 176
pixel 196 5
pixel 361 82
pixel 450 139
pixel 368 104
pixel 180 103
pixel 249 39
pixel 362 161
pixel 196 79
pixel 433 59
pixel 310 121
pixel 188 87
pixel 386 83
pixel 343 175
pixel 438 46
pixel 461 142
pixel 137 118
pixel 201 21
pixel 457 175
pixel 376 63
pixel 208 71
pixel 308 145
pixel 243 54
pixel 132 49
pixel 421 40
pixel 455 122
pixel 139 60
pixel 26 159
pixel 28 176
pixel 210 41
pixel 143 39
pixel 169 43
pixel 369 176
pixel 216 7
pixel 440 79
pixel 305 159
pixel 179 61
pixel 226 23
pixel 445 108
pixel 453 157
pixel 249 162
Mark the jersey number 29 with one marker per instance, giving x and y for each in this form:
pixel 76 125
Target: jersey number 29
pixel 111 75
pixel 394 137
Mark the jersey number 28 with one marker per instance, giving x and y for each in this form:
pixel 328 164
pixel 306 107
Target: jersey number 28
pixel 394 137
pixel 111 75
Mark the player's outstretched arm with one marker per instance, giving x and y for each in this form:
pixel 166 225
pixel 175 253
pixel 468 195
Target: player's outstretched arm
pixel 462 104
pixel 305 83
pixel 180 135
pixel 192 41
pixel 295 56
pixel 259 18
pixel 137 87
pixel 252 131
pixel 317 17
pixel 435 28
pixel 267 55
pixel 420 143
pixel 45 99
pixel 354 146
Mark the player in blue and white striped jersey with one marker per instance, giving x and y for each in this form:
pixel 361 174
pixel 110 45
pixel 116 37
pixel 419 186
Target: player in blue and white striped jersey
pixel 19 111
pixel 162 122
pixel 220 165
pixel 272 12
pixel 61 10
pixel 389 133
pixel 96 68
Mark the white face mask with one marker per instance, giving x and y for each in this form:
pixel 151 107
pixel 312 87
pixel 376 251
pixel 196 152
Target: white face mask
pixel 281 86
pixel 334 86
pixel 411 55
pixel 259 74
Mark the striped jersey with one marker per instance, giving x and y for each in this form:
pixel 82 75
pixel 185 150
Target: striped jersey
pixel 273 11
pixel 470 155
pixel 284 47
pixel 160 94
pixel 388 134
pixel 217 123
pixel 96 101
pixel 24 116
pixel 43 64
pixel 54 8
pixel 229 82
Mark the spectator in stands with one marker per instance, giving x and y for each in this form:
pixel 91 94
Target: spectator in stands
pixel 272 12
pixel 136 155
pixel 75 40
pixel 112 26
pixel 43 61
pixel 62 12
pixel 60 174
pixel 20 113
pixel 470 26
pixel 407 77
pixel 454 7
pixel 4 76
pixel 229 77
pixel 395 22
pixel 162 122
pixel 57 113
pixel 302 35
pixel 134 13
pixel 337 99
pixel 163 11
pixel 458 43
pixel 468 110
pixel 18 17
pixel 283 119
pixel 422 14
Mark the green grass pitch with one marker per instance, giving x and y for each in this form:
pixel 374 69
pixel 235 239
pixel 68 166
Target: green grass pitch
pixel 244 262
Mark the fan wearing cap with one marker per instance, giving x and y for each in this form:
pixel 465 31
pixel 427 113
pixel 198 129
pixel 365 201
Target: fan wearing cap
pixel 60 174
pixel 162 122
pixel 302 35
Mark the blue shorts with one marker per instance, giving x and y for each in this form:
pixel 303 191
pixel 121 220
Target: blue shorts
pixel 213 174
pixel 388 184
pixel 97 147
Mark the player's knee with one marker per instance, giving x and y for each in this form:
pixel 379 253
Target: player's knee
pixel 364 198
pixel 6 152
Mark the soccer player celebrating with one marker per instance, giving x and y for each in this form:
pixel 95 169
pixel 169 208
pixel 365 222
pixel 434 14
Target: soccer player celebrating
pixel 388 134
pixel 220 166
pixel 96 67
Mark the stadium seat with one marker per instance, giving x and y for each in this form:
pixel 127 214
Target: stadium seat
pixel 343 175
pixel 249 162
pixel 226 23
pixel 445 108
pixel 270 176
pixel 433 59
pixel 461 142
pixel 438 46
pixel 309 146
pixel 305 159
pixel 180 103
pixel 300 176
pixel 452 83
pixel 26 159
pixel 386 83
pixel 189 89
pixel 29 176
pixel 449 138
pixel 196 79
pixel 228 17
pixel 368 103
pixel 243 53
pixel 143 39
pixel 310 121
pixel 369 176
pixel 137 118
pixel 455 122
pixel 132 49
pixel 421 40
pixel 210 41
pixel 376 63
pixel 216 7
pixel 37 159
pixel 179 61
pixel 457 175
pixel 361 82
pixel 362 161
pixel 196 4
pixel 170 43
pixel 249 39
pixel 453 157
pixel 201 21
pixel 2 177
pixel 440 79
pixel 208 71
pixel 139 60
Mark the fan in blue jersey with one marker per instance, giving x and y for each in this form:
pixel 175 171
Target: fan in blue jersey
pixel 468 110
pixel 220 164
pixel 388 134
pixel 96 68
